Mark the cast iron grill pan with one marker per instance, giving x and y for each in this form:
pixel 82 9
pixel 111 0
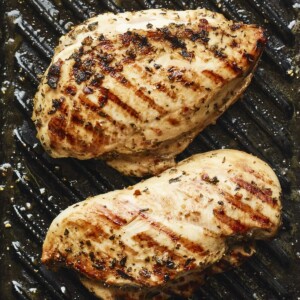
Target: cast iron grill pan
pixel 36 187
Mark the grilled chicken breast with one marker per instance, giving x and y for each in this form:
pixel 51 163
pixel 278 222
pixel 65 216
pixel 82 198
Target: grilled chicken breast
pixel 135 88
pixel 179 224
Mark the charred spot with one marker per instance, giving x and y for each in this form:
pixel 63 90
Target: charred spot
pixel 129 37
pixel 87 41
pixel 66 232
pixel 54 74
pixel 219 53
pixel 130 54
pixel 76 55
pixel 97 80
pixel 148 69
pixel 71 90
pixel 170 264
pixel 157 66
pixel 166 277
pixel 149 25
pixel 102 37
pixel 123 261
pixel 188 261
pixel 81 75
pixel 77 119
pixel 187 54
pixel 88 126
pixel 236 26
pixel 126 38
pixel 213 180
pixel 234 66
pixel 105 58
pixel 87 90
pixel 87 64
pixel 234 44
pixel 103 100
pixel 92 256
pixel 124 275
pixel 113 263
pixel 176 179
pixel 201 35
pixel 118 67
pixel 93 26
pixel 145 273
pixel 56 104
pixel 160 86
pixel 175 74
pixel 99 265
pixel 174 40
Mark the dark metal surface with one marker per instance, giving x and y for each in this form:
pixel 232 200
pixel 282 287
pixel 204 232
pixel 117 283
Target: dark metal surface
pixel 34 188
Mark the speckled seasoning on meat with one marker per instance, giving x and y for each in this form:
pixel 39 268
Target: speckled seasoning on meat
pixel 137 87
pixel 166 233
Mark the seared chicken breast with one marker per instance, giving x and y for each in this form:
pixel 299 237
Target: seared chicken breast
pixel 135 88
pixel 189 221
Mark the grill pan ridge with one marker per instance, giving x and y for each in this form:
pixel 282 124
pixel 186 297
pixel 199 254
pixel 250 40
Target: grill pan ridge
pixel 34 188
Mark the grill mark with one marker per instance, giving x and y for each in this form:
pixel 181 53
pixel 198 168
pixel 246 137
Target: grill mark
pixel 216 78
pixel 88 104
pixel 96 131
pixel 254 215
pixel 231 65
pixel 177 75
pixel 151 243
pixel 115 99
pixel 257 175
pixel 150 101
pixel 265 195
pixel 125 275
pixel 190 245
pixel 125 82
pixel 157 85
pixel 235 225
pixel 94 234
pixel 190 34
pixel 109 215
pixel 77 119
pixel 162 88
pixel 57 127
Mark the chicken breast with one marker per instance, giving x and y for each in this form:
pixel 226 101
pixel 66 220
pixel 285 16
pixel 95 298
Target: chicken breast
pixel 175 225
pixel 135 88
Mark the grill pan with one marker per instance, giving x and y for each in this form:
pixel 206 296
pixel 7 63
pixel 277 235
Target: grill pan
pixel 34 188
